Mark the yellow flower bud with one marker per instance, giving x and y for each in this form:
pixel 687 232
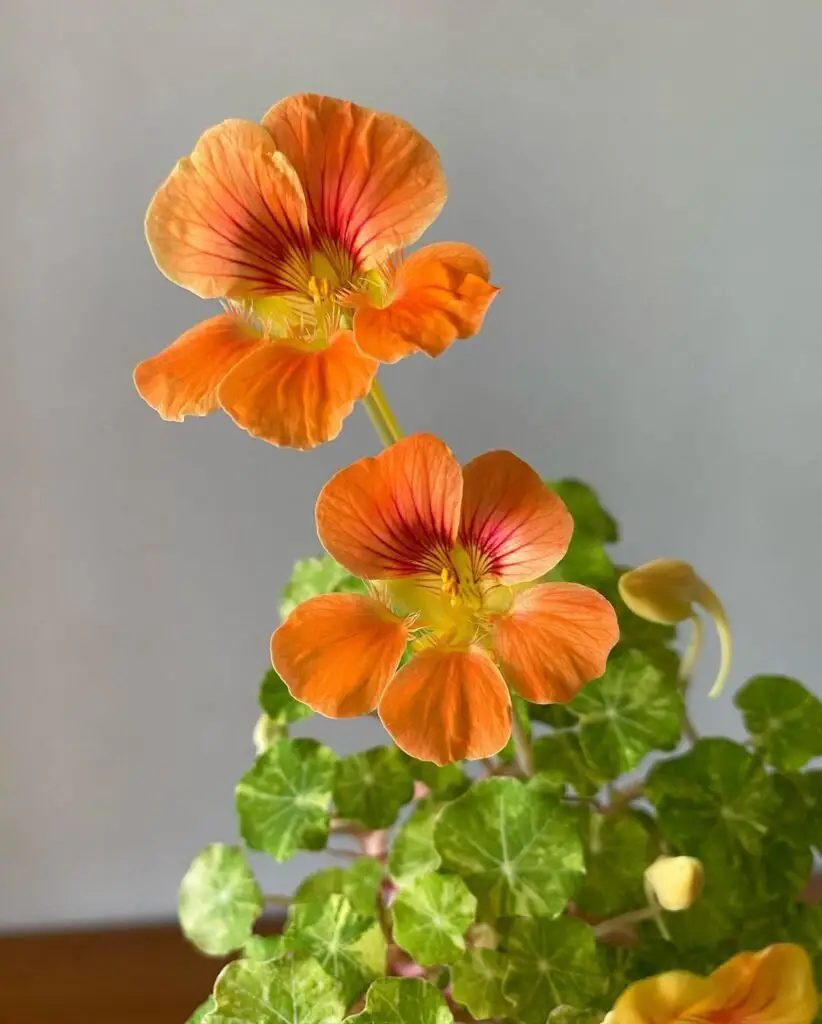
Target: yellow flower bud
pixel 666 591
pixel 676 882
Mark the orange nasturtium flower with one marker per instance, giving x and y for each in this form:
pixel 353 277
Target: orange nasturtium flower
pixel 452 555
pixel 774 986
pixel 298 225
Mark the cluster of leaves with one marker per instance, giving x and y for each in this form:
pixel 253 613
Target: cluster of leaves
pixel 493 896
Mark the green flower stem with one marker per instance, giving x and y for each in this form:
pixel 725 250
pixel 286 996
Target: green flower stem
pixel 619 922
pixel 381 415
pixel 522 748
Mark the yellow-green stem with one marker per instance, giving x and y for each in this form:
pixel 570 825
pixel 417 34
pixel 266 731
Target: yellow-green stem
pixel 381 415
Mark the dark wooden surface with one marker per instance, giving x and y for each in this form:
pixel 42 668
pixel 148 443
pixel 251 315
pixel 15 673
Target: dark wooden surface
pixel 136 975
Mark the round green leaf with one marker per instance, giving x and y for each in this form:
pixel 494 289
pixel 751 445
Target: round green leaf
pixel 713 800
pixel 617 852
pixel 372 786
pixel 591 519
pixel 477 983
pixel 282 802
pixel 799 815
pixel 571 1015
pixel 431 918
pixel 559 758
pixel 263 947
pixel 277 702
pixel 360 884
pixel 636 707
pixel 784 720
pixel 219 900
pixel 350 947
pixel 313 576
pixel 519 851
pixel 413 851
pixel 444 781
pixel 553 963
pixel 403 1001
pixel 296 991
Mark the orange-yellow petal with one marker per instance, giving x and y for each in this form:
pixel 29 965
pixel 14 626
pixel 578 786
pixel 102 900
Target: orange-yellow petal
pixel 774 986
pixel 448 705
pixel 337 652
pixel 373 184
pixel 663 999
pixel 394 515
pixel 183 379
pixel 515 527
pixel 297 397
pixel 230 220
pixel 440 293
pixel 555 638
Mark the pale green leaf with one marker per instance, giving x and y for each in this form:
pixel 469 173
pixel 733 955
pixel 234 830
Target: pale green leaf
pixel 282 802
pixel 219 900
pixel 350 947
pixel 519 851
pixel 413 851
pixel 553 963
pixel 372 786
pixel 431 918
pixel 403 1001
pixel 477 980
pixel 263 947
pixel 296 991
pixel 360 884
pixel 314 576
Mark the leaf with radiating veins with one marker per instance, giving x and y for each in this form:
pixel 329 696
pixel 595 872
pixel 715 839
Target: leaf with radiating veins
pixel 219 900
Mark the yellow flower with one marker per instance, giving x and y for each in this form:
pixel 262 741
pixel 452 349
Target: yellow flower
pixel 774 986
pixel 666 591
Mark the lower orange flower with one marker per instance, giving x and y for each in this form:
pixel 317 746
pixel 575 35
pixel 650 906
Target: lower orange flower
pixel 452 556
pixel 774 986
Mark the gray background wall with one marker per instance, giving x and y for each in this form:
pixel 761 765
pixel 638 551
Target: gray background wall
pixel 646 179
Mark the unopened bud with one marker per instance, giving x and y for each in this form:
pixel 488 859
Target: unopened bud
pixel 666 591
pixel 676 882
pixel 266 731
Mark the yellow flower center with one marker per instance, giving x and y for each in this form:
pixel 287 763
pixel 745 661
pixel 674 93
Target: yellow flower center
pixel 454 607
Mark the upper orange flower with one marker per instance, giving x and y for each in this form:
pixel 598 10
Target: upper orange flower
pixel 298 225
pixel 454 553
pixel 774 986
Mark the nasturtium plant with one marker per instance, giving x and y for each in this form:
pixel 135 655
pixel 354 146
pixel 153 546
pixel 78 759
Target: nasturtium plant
pixel 514 889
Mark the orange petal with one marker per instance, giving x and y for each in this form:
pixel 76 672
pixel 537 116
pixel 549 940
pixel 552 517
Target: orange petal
pixel 663 999
pixel 441 293
pixel 183 379
pixel 297 397
pixel 774 986
pixel 554 640
pixel 516 528
pixel 394 515
pixel 373 184
pixel 337 652
pixel 230 220
pixel 448 705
